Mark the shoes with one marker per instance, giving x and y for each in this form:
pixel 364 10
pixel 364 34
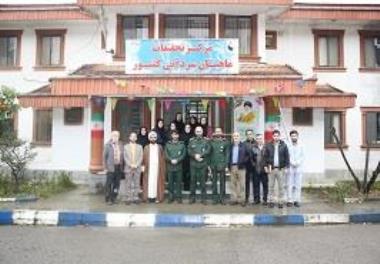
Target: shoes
pixel 136 202
pixel 256 202
pixel 127 203
pixel 222 202
pixel 297 204
pixel 204 202
pixel 191 201
pixel 280 205
pixel 243 204
pixel 271 205
pixel 214 202
pixel 233 203
pixel 170 201
pixel 289 204
pixel 110 202
pixel 265 203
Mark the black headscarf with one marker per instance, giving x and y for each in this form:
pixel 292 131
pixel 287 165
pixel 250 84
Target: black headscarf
pixel 143 139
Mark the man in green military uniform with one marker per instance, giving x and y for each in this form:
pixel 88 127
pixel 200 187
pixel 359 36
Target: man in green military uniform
pixel 219 158
pixel 199 149
pixel 175 152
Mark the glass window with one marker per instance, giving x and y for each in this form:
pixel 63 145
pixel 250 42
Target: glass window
pixel 372 52
pixel 240 28
pixel 136 27
pixel 328 51
pixel 303 116
pixel 51 50
pixel 372 124
pixel 42 126
pixel 271 40
pixel 73 116
pixel 333 119
pixel 8 51
pixel 186 26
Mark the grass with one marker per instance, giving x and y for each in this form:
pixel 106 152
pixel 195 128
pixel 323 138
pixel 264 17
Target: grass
pixel 341 190
pixel 40 185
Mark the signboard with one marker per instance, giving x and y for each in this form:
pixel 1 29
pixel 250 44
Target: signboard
pixel 248 114
pixel 182 56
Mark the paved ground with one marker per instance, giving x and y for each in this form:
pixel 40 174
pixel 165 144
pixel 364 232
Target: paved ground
pixel 325 244
pixel 81 200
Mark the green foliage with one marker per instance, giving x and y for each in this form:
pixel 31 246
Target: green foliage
pixel 8 107
pixel 40 184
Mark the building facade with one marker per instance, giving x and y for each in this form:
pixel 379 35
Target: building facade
pixel 310 65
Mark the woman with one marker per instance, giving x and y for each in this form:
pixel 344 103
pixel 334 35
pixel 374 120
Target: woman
pixel 161 133
pixel 193 123
pixel 142 137
pixel 204 125
pixel 185 137
pixel 172 127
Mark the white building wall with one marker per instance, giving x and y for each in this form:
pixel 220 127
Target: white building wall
pixel 295 47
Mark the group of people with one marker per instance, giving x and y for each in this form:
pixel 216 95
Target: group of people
pixel 161 156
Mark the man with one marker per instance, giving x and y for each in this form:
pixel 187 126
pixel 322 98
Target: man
pixel 260 175
pixel 179 123
pixel 185 138
pixel 250 175
pixel 238 161
pixel 154 170
pixel 175 152
pixel 113 163
pixel 133 155
pixel 219 160
pixel 199 149
pixel 296 157
pixel 277 164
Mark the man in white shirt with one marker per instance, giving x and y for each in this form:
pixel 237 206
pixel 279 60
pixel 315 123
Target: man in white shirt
pixel 296 158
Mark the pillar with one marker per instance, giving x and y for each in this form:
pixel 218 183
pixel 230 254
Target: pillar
pixel 97 134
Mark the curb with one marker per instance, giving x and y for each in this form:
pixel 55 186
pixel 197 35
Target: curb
pixel 67 218
pixel 18 199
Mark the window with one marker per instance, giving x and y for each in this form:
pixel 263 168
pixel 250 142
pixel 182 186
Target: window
pixel 328 49
pixel 73 116
pixel 271 40
pixel 335 119
pixel 132 27
pixel 244 28
pixel 302 116
pixel 42 123
pixel 240 28
pixel 10 48
pixel 50 48
pixel 178 26
pixel 371 126
pixel 369 50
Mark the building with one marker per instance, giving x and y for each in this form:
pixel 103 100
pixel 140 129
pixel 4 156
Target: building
pixel 310 65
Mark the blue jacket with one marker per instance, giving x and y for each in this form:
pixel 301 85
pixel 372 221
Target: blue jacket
pixel 243 157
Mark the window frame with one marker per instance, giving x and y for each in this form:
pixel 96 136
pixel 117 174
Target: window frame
pixel 69 123
pixel 363 34
pixel 18 34
pixel 364 112
pixel 296 123
pixel 40 34
pixel 274 34
pixel 253 56
pixel 342 132
pixel 319 33
pixel 36 142
pixel 119 42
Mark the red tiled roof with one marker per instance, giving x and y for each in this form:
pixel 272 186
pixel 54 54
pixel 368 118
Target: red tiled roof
pixel 43 12
pixel 332 12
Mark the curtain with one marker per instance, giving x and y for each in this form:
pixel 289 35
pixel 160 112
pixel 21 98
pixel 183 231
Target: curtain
pixel 8 51
pixel 51 50
pixel 186 27
pixel 136 27
pixel 328 51
pixel 240 28
pixel 332 119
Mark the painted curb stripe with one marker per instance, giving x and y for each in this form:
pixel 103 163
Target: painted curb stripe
pixel 326 218
pixel 165 220
pixel 365 218
pixel 6 218
pixel 75 218
pixel 267 219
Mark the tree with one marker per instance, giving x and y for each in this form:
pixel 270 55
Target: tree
pixel 14 153
pixel 365 186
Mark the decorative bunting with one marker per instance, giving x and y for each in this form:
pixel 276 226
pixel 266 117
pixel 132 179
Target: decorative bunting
pixel 99 101
pixel 167 104
pixel 150 103
pixel 276 102
pixel 205 102
pixel 279 87
pixel 258 91
pixel 221 93
pixel 121 83
pixel 114 103
pixel 222 104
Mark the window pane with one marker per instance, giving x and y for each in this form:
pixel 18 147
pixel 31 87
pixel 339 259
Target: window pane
pixel 332 119
pixel 42 126
pixel 136 27
pixel 186 27
pixel 73 116
pixel 373 128
pixel 8 51
pixel 240 28
pixel 328 51
pixel 370 52
pixel 303 116
pixel 51 50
